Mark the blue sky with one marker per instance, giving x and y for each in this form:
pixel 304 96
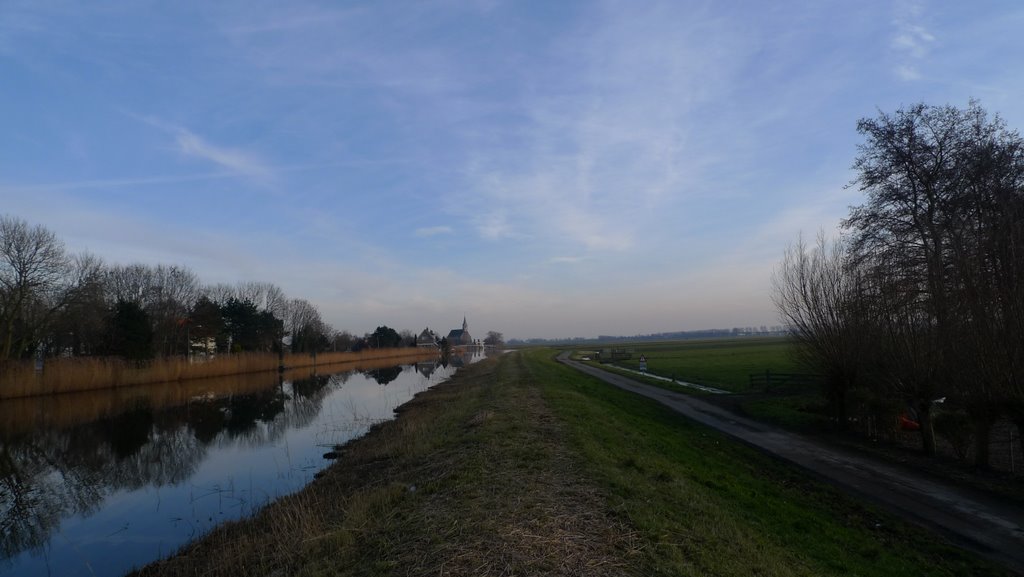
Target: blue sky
pixel 547 169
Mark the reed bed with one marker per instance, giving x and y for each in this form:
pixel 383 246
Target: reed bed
pixel 39 412
pixel 20 379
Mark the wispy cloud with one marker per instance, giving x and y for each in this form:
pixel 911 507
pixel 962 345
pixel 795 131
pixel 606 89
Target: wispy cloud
pixel 310 44
pixel 493 225
pixel 429 231
pixel 115 182
pixel 911 41
pixel 233 160
pixel 567 259
pixel 608 142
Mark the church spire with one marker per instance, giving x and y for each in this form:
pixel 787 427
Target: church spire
pixel 465 326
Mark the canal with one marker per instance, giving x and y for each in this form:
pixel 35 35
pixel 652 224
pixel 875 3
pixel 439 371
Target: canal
pixel 99 483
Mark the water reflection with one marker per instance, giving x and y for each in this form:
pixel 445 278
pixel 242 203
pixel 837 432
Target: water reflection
pixel 140 472
pixel 384 376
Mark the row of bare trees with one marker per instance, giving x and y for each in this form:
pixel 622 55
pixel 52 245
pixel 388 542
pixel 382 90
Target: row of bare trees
pixel 53 302
pixel 921 299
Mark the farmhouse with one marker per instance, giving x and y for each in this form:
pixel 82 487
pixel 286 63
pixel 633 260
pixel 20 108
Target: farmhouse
pixel 427 338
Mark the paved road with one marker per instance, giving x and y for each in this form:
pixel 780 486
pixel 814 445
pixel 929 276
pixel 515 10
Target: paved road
pixel 974 521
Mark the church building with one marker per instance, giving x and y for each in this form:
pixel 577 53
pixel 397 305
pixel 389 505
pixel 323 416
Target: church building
pixel 460 337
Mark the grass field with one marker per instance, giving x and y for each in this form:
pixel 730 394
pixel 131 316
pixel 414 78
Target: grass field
pixel 522 466
pixel 727 364
pixel 722 363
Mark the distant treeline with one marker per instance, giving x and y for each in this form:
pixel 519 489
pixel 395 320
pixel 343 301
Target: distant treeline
pixel 761 331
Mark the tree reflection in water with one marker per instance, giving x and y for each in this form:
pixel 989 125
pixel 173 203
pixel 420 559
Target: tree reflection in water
pixel 384 376
pixel 58 472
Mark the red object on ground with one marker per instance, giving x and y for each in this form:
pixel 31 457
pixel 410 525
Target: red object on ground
pixel 907 424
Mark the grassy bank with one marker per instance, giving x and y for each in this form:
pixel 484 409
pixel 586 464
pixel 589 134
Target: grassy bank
pixel 20 379
pixel 521 466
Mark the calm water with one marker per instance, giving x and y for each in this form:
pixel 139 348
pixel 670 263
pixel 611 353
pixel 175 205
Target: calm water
pixel 96 484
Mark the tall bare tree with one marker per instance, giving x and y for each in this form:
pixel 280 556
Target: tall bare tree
pixel 987 260
pixel 909 366
pixel 266 296
pixel 307 329
pixel 179 291
pixel 941 225
pixel 823 301
pixel 78 327
pixel 33 278
pixel 219 293
pixel 165 293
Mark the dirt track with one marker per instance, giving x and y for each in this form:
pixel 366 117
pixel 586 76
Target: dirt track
pixel 977 522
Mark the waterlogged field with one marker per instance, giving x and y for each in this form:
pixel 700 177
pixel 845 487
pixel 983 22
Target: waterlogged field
pixel 725 363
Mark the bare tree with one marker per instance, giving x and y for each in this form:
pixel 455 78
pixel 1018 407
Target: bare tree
pixel 824 302
pixel 987 264
pixel 939 183
pixel 175 292
pixel 78 327
pixel 906 349
pixel 219 293
pixel 342 341
pixel 307 329
pixel 131 283
pixel 165 293
pixel 266 296
pixel 408 338
pixel 33 274
pixel 494 339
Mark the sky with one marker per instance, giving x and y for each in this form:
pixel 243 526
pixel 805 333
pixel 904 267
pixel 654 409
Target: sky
pixel 545 169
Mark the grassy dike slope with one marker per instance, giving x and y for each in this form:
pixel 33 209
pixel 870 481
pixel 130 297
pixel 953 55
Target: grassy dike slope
pixel 520 466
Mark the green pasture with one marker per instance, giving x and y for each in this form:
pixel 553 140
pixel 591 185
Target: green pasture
pixel 722 363
pixel 727 363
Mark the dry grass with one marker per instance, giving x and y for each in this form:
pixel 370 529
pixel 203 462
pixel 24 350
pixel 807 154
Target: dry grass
pixel 19 379
pixel 473 478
